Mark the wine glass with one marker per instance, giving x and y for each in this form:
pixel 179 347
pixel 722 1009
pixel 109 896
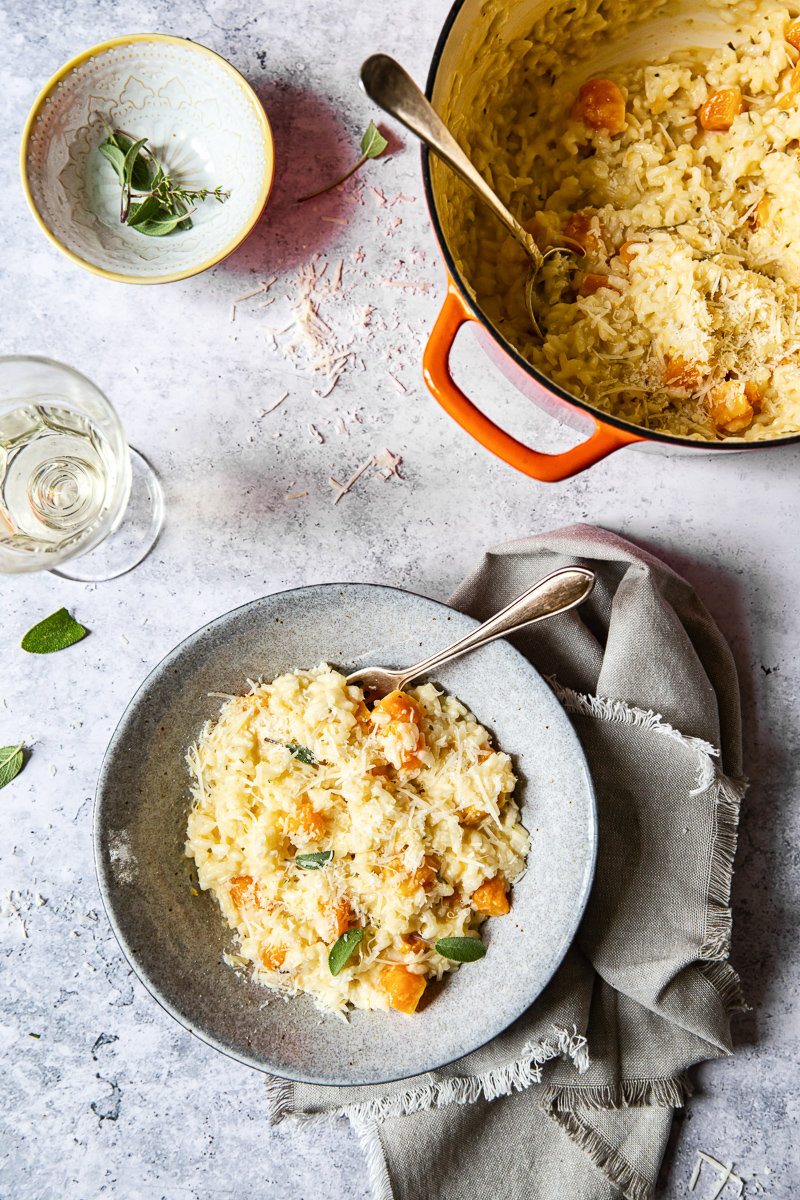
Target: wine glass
pixel 75 499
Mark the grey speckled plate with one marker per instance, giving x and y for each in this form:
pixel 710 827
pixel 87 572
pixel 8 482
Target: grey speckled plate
pixel 175 941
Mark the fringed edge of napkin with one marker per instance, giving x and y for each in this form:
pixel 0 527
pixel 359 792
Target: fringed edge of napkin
pixel 716 943
pixel 562 1103
pixel 516 1075
pixel 365 1118
pixel 615 1168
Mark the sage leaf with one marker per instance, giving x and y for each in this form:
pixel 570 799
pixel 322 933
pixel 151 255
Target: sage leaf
pixel 11 760
pixel 130 161
pixel 342 950
pixel 460 949
pixel 313 862
pixel 373 142
pixel 160 226
pixel 144 211
pixel 55 632
pixel 302 754
pixel 140 176
pixel 115 156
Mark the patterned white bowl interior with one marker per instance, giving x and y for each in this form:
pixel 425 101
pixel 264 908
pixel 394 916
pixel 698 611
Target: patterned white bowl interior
pixel 201 121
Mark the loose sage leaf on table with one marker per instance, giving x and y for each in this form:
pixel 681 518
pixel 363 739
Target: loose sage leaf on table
pixel 55 632
pixel 11 760
pixel 373 142
pixel 341 950
pixel 460 949
pixel 313 862
pixel 302 754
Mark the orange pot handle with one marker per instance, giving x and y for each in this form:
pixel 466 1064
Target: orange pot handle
pixel 549 468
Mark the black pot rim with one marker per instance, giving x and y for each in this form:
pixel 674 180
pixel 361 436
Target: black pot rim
pixel 560 393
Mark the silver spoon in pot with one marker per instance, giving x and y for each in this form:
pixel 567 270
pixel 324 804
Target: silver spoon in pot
pixel 556 593
pixel 393 89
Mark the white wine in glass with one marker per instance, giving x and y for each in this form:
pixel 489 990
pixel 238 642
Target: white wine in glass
pixel 74 498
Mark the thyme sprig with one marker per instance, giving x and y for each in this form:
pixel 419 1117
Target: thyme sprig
pixel 151 201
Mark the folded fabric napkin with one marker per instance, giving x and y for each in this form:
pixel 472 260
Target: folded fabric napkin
pixel 575 1100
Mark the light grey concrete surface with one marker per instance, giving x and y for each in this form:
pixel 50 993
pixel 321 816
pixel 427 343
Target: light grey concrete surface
pixel 113 1098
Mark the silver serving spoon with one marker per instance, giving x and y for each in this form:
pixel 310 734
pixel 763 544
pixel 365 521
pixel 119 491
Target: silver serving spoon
pixel 557 593
pixel 393 89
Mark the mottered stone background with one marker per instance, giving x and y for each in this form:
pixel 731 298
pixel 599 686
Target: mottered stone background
pixel 113 1098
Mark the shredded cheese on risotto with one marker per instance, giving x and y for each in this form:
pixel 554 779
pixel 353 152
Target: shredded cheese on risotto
pixel 407 811
pixel 679 177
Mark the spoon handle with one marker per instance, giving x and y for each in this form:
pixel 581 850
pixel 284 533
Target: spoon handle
pixel 556 593
pixel 393 89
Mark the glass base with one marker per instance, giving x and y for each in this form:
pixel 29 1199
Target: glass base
pixel 134 537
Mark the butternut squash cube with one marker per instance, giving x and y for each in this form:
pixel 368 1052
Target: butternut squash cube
pixel 729 407
pixel 273 957
pixel 721 108
pixel 244 891
pixel 403 988
pixel 492 897
pixel 600 105
pixel 305 820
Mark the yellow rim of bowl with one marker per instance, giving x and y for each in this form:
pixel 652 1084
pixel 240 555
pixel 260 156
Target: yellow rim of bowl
pixel 266 132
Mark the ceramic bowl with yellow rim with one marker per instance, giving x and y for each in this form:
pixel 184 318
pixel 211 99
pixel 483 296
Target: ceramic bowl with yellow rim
pixel 203 122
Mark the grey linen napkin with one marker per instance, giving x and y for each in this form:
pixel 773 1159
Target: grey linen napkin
pixel 575 1100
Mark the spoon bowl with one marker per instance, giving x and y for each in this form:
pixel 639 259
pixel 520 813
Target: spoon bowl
pixel 393 89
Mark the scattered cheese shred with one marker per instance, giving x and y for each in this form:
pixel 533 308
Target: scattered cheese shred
pixel 387 464
pixel 274 405
pixel 343 489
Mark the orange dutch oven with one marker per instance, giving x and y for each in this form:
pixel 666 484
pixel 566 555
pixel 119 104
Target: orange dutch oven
pixel 605 433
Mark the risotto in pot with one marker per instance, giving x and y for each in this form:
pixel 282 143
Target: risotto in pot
pixel 356 853
pixel 680 178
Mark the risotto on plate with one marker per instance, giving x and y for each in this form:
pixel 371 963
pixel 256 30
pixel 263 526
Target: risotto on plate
pixel 680 179
pixel 344 844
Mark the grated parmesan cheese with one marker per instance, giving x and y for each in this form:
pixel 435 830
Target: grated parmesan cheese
pixel 410 845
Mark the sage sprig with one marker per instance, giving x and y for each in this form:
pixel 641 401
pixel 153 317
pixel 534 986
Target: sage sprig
pixel 151 201
pixel 373 144
pixel 55 632
pixel 11 760
pixel 314 862
pixel 460 949
pixel 342 950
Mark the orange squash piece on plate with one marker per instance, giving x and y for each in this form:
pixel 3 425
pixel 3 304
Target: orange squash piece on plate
pixel 424 876
pixel 600 105
pixel 792 34
pixel 396 710
pixel 244 892
pixel 305 820
pixel 403 988
pixel 342 917
pixel 273 957
pixel 492 897
pixel 721 108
